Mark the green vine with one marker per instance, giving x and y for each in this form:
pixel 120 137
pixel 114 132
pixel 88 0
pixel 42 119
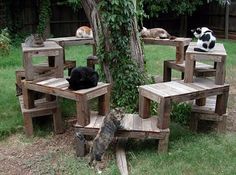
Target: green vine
pixel 116 17
pixel 44 16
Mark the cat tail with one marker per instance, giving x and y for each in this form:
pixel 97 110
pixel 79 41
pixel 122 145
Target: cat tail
pixel 171 37
pixel 199 50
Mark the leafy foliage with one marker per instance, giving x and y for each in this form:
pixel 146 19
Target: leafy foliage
pixel 184 7
pixel 4 42
pixel 181 113
pixel 117 16
pixel 44 15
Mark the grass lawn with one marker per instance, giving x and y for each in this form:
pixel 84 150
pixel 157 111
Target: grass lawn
pixel 189 153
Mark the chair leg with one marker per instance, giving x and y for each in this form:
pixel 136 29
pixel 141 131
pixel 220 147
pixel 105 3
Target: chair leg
pixel 28 124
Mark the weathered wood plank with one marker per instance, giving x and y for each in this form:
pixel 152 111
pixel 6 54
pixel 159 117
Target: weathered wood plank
pixel 120 157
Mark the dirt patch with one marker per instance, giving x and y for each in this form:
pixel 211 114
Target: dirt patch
pixel 19 155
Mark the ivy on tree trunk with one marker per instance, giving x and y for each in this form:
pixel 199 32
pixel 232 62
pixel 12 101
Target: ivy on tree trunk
pixel 119 50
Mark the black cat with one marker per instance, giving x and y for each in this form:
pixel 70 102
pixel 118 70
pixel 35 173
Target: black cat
pixel 83 78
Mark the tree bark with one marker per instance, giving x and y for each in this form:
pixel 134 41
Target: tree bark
pixel 93 15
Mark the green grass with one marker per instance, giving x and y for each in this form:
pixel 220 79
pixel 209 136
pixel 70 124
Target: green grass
pixel 188 153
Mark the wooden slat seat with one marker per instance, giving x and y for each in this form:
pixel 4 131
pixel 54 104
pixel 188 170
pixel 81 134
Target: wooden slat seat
pixel 180 44
pixel 42 108
pixel 133 126
pixel 201 69
pixel 165 93
pixel 207 112
pixel 59 87
pixel 217 55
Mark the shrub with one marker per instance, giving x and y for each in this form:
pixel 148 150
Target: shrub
pixel 4 42
pixel 181 113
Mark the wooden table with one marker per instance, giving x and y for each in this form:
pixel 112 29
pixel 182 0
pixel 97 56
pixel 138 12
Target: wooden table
pixel 165 93
pixel 217 55
pixel 52 50
pixel 59 87
pixel 72 40
pixel 180 44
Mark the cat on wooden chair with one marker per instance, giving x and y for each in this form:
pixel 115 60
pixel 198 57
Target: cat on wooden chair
pixel 84 32
pixel 83 78
pixel 206 39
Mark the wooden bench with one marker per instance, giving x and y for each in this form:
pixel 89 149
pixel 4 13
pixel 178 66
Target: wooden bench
pixel 71 41
pixel 165 93
pixel 207 113
pixel 180 44
pixel 133 127
pixel 42 108
pixel 217 55
pixel 59 87
pixel 201 69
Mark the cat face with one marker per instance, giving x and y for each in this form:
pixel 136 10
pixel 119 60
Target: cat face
pixel 198 32
pixel 117 114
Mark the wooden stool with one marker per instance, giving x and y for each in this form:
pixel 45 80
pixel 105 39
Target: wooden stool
pixel 178 91
pixel 207 113
pixel 59 87
pixel 52 50
pixel 217 55
pixel 201 70
pixel 181 45
pixel 42 108
pixel 133 126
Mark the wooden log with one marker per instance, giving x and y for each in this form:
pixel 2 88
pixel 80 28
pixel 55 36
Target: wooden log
pixel 120 156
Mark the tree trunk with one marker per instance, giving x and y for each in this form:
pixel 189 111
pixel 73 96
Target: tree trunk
pixel 93 15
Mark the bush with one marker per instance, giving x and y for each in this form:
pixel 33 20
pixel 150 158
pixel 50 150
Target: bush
pixel 4 42
pixel 181 113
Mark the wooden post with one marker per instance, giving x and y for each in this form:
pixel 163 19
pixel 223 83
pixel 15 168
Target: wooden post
pixel 167 72
pixel 180 53
pixel 226 20
pixel 163 144
pixel 83 112
pixel 164 118
pixel 189 69
pixel 144 106
pixel 28 97
pixel 104 103
pixel 28 124
pixel 220 72
pixel 221 103
pixel 28 65
pixel 57 120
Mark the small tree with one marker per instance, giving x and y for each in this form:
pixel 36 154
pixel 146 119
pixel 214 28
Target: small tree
pixel 118 44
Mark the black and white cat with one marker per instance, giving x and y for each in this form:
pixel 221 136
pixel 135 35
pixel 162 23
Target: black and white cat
pixel 83 78
pixel 206 40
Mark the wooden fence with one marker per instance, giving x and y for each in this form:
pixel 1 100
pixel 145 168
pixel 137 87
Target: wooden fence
pixel 64 21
